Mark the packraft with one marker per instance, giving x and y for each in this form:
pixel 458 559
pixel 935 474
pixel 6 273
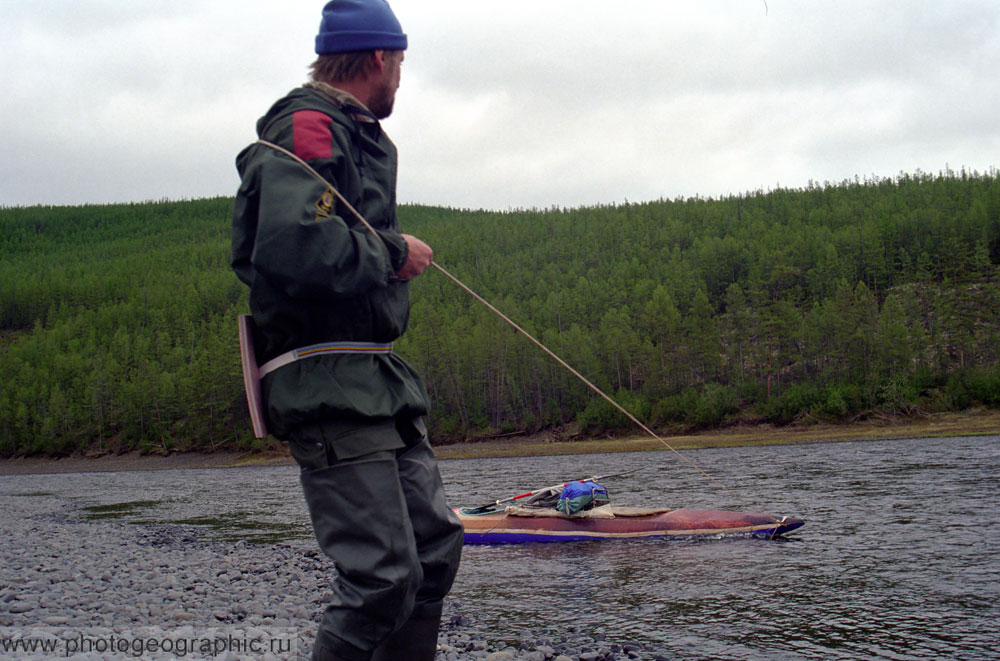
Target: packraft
pixel 580 510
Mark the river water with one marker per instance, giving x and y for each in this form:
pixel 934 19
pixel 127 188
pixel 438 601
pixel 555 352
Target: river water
pixel 899 557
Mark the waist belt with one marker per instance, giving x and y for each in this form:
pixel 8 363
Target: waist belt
pixel 322 350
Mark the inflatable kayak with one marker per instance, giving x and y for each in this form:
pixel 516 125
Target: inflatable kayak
pixel 517 525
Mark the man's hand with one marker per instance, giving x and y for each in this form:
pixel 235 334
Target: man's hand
pixel 418 258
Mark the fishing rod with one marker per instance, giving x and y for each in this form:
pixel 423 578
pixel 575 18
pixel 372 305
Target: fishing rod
pixel 507 319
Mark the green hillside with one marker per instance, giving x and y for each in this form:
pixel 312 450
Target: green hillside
pixel 864 298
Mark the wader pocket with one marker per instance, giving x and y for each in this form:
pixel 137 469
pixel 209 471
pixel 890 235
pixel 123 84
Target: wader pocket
pixel 324 444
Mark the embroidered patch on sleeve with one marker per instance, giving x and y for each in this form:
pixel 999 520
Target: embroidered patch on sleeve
pixel 324 205
pixel 311 137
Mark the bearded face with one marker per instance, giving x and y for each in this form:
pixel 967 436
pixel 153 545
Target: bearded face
pixel 384 95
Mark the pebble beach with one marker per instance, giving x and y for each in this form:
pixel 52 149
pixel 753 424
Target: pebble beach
pixel 82 588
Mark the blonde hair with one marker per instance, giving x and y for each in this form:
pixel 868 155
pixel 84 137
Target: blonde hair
pixel 344 67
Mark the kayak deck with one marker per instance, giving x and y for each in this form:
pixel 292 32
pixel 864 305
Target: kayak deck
pixel 502 527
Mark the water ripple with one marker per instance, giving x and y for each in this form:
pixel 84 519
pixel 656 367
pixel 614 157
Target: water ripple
pixel 900 556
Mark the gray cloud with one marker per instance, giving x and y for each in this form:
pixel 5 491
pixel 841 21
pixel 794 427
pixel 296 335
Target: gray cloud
pixel 510 104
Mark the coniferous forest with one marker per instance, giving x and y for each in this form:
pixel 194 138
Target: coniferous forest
pixel 836 302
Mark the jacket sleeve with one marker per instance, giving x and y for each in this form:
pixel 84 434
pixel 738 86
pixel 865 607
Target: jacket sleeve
pixel 301 246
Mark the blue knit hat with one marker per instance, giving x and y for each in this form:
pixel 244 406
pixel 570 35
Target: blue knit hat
pixel 358 25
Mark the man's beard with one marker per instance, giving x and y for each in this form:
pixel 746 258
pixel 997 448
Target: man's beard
pixel 380 103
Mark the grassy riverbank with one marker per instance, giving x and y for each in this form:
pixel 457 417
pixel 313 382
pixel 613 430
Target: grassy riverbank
pixel 969 423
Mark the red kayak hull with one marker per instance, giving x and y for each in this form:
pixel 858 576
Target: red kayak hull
pixel 502 528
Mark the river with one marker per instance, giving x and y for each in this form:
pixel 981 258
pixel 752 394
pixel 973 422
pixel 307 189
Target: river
pixel 899 557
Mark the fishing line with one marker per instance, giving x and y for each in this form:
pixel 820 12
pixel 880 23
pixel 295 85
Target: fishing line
pixel 507 319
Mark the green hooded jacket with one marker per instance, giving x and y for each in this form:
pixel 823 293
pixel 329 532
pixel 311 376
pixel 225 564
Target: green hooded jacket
pixel 316 274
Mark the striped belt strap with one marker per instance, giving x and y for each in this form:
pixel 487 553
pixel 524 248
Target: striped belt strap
pixel 322 350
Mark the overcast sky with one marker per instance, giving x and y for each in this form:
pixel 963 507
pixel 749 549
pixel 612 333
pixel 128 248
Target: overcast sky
pixel 508 104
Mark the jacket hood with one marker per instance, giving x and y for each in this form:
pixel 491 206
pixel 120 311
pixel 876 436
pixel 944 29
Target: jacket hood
pixel 314 96
pixel 301 98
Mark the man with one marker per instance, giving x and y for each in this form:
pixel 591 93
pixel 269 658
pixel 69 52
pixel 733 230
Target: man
pixel 350 409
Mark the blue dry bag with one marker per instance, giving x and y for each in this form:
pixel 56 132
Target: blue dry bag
pixel 579 496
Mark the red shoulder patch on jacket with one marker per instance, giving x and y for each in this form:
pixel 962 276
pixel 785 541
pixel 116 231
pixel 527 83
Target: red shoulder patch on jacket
pixel 311 137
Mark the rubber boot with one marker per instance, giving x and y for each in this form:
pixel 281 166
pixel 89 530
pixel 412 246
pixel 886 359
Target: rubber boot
pixel 416 640
pixel 321 652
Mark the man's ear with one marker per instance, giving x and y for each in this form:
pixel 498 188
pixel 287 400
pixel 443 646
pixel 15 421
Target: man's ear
pixel 379 60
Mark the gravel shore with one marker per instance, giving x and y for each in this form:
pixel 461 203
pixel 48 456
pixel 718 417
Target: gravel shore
pixel 102 589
